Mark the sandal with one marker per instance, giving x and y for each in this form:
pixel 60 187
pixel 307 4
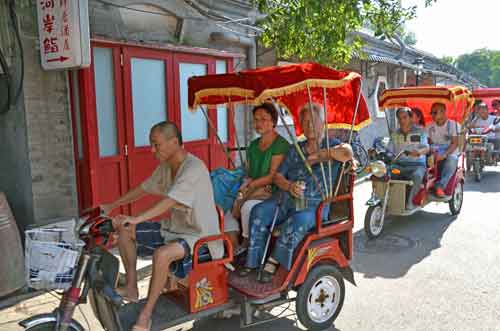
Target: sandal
pixel 243 272
pixel 122 292
pixel 267 274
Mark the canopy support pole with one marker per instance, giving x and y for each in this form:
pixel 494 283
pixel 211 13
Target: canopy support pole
pixel 330 188
pixel 243 162
pixel 212 127
pixel 318 139
pixel 350 134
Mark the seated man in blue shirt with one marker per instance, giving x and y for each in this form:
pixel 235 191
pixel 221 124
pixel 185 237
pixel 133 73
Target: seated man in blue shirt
pixel 413 141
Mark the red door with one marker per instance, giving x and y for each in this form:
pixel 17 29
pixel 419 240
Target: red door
pixel 106 120
pixel 199 127
pixel 124 93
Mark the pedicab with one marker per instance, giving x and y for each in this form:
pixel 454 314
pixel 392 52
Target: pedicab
pixel 481 150
pixel 488 96
pixel 207 287
pixel 390 188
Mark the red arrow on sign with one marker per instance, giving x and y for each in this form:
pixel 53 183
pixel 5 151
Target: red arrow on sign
pixel 58 59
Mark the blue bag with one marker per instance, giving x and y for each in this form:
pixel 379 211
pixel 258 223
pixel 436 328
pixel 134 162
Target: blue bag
pixel 226 184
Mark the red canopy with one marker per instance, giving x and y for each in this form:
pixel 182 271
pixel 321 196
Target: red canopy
pixel 487 95
pixel 458 100
pixel 287 85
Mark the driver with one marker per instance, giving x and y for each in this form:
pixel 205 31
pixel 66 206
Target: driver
pixel 495 104
pixel 485 121
pixel 412 141
pixel 443 136
pixel 192 216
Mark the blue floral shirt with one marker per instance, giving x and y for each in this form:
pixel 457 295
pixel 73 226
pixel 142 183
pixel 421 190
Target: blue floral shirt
pixel 293 169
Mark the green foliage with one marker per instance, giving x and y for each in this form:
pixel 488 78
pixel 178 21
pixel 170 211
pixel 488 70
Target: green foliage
pixel 320 29
pixel 484 64
pixel 449 60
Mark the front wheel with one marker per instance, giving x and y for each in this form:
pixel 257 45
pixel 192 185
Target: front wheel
pixel 48 326
pixel 374 223
pixel 457 199
pixel 320 298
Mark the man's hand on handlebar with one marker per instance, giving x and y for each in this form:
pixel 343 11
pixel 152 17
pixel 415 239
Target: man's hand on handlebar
pixel 124 220
pixel 106 208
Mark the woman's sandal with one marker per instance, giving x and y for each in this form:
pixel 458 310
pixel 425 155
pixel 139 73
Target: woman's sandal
pixel 268 272
pixel 243 272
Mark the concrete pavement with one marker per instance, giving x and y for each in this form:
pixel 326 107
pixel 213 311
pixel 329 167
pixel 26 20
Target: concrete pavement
pixel 430 271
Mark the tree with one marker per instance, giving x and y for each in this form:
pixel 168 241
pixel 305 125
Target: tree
pixel 484 64
pixel 321 29
pixel 449 60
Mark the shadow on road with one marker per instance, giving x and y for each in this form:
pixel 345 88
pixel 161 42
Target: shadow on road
pixel 490 182
pixel 406 241
pixel 285 324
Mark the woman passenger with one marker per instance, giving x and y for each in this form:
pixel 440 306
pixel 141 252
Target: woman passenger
pixel 264 156
pixel 417 118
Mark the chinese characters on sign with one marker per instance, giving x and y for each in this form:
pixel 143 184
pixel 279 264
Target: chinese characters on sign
pixel 63 27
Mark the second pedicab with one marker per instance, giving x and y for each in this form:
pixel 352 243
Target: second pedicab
pixel 391 189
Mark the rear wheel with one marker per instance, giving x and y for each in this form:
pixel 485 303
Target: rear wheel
pixel 47 326
pixel 320 298
pixel 457 199
pixel 374 223
pixel 477 170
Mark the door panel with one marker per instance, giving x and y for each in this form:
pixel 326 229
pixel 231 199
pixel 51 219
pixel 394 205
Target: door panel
pixel 196 133
pixel 110 130
pixel 147 102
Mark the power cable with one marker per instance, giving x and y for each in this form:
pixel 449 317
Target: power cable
pixel 220 19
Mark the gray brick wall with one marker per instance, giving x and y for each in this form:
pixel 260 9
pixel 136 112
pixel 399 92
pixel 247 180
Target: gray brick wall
pixel 49 139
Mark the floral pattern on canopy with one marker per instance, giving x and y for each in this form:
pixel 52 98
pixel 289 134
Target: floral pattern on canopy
pixel 458 100
pixel 290 86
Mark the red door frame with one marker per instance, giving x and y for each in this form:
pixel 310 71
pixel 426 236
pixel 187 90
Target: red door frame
pixel 87 169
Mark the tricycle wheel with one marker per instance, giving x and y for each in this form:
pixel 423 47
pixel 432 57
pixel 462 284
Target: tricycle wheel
pixel 320 297
pixel 47 326
pixel 477 170
pixel 374 223
pixel 457 199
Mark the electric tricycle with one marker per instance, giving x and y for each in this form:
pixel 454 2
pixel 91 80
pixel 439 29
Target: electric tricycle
pixel 206 286
pixel 480 151
pixel 390 183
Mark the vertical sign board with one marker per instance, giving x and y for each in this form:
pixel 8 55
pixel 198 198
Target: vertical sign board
pixel 63 28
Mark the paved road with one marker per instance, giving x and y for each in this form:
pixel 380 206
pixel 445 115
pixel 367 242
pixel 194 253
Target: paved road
pixel 430 271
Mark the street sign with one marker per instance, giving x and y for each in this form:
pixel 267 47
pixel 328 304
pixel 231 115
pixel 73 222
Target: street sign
pixel 63 28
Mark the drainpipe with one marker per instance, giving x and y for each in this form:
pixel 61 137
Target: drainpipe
pixel 402 46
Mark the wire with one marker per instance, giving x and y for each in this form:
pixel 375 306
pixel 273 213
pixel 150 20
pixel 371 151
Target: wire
pixel 107 3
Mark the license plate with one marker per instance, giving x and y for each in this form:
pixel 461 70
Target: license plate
pixel 475 140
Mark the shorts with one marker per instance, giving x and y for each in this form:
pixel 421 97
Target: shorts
pixel 148 237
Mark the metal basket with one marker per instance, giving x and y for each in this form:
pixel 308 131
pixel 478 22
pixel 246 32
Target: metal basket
pixel 51 256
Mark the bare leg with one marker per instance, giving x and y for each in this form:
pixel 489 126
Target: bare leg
pixel 162 258
pixel 128 253
pixel 234 237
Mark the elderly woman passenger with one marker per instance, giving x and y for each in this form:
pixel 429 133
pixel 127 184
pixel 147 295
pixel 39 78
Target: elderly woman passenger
pixel 298 222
